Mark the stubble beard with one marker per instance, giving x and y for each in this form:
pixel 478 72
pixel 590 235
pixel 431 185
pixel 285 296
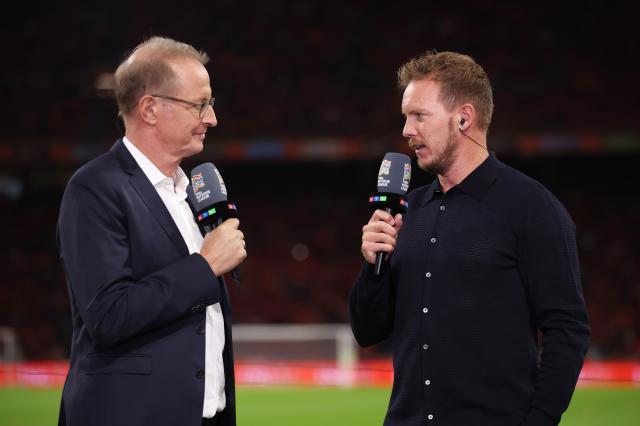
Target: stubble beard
pixel 441 164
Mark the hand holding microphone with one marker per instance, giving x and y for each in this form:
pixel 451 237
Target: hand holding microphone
pixel 223 246
pixel 379 235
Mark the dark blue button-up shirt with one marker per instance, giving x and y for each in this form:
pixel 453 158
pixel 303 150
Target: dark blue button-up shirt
pixel 476 273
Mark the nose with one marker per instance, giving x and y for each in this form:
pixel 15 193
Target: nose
pixel 409 130
pixel 209 118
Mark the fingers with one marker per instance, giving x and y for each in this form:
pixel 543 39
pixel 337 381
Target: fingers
pixel 399 222
pixel 378 242
pixel 379 234
pixel 374 248
pixel 381 215
pixel 382 221
pixel 370 249
pixel 231 223
pixel 231 230
pixel 379 227
pixel 224 248
pixel 373 236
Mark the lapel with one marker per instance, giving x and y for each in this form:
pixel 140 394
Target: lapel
pixel 149 196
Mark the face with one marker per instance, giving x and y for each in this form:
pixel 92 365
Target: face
pixel 180 129
pixel 429 126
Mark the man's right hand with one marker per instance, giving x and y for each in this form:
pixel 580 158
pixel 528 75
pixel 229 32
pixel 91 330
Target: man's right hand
pixel 379 235
pixel 224 247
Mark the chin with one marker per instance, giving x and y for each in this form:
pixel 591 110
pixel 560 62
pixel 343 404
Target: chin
pixel 428 167
pixel 193 149
pixel 198 143
pixel 423 164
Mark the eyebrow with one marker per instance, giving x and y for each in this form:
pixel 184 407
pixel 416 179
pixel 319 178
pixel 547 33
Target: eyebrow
pixel 417 111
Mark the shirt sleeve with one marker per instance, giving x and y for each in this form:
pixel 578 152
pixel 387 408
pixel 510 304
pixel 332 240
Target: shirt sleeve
pixel 549 268
pixel 371 306
pixel 95 251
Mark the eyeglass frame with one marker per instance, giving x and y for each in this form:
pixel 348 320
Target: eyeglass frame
pixel 202 105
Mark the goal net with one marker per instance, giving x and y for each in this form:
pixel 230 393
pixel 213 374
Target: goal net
pixel 295 342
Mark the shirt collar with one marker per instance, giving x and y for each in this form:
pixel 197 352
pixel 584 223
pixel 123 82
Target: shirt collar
pixel 476 184
pixel 154 174
pixel 434 189
pixel 480 180
pixel 181 181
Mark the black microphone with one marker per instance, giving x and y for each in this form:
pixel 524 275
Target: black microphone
pixel 191 201
pixel 393 183
pixel 208 196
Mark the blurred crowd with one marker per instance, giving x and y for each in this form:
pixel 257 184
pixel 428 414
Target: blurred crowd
pixel 313 68
pixel 302 224
pixel 310 69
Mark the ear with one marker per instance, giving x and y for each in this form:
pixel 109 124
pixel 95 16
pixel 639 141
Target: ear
pixel 466 116
pixel 148 109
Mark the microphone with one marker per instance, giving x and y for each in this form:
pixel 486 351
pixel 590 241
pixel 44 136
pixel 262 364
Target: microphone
pixel 208 196
pixel 191 201
pixel 393 182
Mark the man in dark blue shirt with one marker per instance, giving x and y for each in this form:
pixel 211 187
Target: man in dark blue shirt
pixel 484 259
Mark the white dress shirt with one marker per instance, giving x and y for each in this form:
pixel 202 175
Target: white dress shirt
pixel 172 191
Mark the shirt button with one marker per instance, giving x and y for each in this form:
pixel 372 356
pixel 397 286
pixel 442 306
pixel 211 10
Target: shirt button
pixel 430 417
pixel 427 382
pixel 428 274
pixel 425 346
pixel 201 328
pixel 443 208
pixel 425 310
pixel 433 239
pixel 200 373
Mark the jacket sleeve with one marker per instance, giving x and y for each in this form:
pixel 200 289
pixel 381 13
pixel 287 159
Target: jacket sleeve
pixel 548 263
pixel 371 306
pixel 94 246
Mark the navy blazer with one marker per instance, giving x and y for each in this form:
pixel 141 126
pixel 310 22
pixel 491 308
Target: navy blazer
pixel 138 303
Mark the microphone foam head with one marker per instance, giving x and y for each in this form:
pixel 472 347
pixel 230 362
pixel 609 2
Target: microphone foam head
pixel 208 186
pixel 395 173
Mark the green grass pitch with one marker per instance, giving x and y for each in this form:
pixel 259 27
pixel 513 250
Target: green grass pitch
pixel 328 406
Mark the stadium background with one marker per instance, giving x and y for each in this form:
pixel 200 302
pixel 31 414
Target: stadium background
pixel 307 106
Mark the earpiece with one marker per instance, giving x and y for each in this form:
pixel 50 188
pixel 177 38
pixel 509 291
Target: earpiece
pixel 462 121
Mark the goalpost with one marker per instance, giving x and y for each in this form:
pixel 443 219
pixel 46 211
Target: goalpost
pixel 300 342
pixel 9 346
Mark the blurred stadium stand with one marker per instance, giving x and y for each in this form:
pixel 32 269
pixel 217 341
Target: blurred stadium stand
pixel 307 105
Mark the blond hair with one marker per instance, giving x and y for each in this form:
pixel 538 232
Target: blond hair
pixel 460 78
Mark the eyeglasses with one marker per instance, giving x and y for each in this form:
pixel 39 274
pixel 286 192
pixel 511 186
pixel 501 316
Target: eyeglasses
pixel 202 106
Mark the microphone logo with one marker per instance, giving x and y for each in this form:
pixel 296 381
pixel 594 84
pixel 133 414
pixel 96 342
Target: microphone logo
pixel 223 188
pixel 406 177
pixel 384 167
pixel 384 171
pixel 197 182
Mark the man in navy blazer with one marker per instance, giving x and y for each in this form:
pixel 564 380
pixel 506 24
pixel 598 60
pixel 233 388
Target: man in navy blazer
pixel 151 314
